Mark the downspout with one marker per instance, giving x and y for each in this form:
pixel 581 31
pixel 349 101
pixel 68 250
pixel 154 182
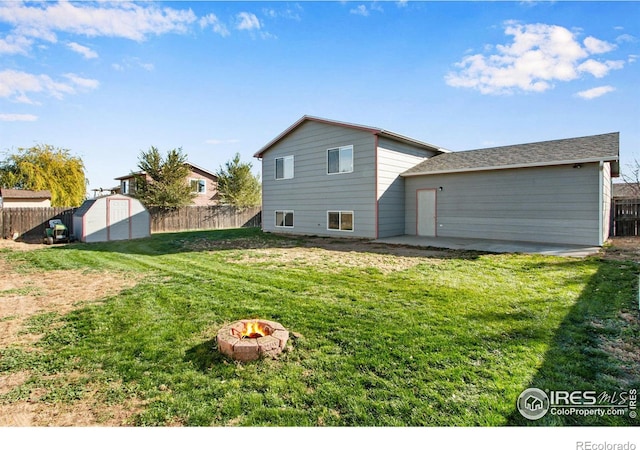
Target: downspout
pixel 600 203
pixel 375 190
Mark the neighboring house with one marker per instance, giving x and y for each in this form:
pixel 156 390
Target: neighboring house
pixel 326 177
pixel 624 190
pixel 202 182
pixel 22 198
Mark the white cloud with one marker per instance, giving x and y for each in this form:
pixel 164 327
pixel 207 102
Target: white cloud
pixel 623 38
pixel 287 12
pixel 129 63
pixel 599 69
pixel 594 45
pixel 13 44
pixel 114 19
pixel 81 49
pixel 590 94
pixel 360 10
pixel 247 22
pixel 538 55
pixel 86 83
pixel 18 118
pixel 17 86
pixel 211 20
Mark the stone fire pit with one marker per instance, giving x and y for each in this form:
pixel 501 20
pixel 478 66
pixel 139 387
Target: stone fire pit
pixel 249 339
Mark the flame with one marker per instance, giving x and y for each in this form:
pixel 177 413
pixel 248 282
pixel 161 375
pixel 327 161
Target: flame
pixel 253 330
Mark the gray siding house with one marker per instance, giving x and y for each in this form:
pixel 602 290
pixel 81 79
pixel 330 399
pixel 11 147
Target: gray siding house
pixel 324 177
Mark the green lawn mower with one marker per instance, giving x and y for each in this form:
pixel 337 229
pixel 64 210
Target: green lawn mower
pixel 57 232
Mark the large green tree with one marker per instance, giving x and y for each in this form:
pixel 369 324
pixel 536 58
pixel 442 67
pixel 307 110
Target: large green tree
pixel 163 180
pixel 237 185
pixel 45 167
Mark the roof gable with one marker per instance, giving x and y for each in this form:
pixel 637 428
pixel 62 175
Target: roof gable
pixel 603 147
pixel 372 130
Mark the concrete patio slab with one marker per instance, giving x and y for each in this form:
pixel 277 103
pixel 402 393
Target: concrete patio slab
pixel 492 246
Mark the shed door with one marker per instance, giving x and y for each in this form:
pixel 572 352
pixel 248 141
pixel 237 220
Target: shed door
pixel 119 216
pixel 426 212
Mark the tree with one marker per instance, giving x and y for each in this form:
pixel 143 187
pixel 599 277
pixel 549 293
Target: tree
pixel 163 181
pixel 237 185
pixel 44 167
pixel 633 178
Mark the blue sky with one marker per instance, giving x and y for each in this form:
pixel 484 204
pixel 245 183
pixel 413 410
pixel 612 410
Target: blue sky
pixel 107 80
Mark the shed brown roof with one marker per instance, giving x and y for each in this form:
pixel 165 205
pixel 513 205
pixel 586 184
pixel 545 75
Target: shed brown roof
pixel 24 194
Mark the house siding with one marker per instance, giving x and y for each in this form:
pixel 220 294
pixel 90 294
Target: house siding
pixel 393 159
pixel 312 192
pixel 557 204
pixel 210 196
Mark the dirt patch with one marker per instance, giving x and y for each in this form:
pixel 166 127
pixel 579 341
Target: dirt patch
pixel 21 245
pixel 90 411
pixel 622 249
pixel 326 253
pixel 330 259
pixel 24 295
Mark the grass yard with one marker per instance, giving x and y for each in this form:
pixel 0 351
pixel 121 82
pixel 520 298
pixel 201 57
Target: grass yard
pixel 124 333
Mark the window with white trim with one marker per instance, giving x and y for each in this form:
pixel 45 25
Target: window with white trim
pixel 198 186
pixel 340 220
pixel 284 219
pixel 284 168
pixel 340 159
pixel 124 186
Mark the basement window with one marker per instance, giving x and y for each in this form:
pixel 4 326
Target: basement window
pixel 340 220
pixel 284 219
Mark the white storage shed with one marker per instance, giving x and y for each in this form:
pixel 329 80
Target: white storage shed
pixel 111 218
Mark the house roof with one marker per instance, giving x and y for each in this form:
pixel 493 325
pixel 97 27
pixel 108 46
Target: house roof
pixel 626 190
pixel 603 147
pixel 24 194
pixel 193 166
pixel 373 130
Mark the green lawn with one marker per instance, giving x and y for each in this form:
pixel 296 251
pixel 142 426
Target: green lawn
pixel 445 339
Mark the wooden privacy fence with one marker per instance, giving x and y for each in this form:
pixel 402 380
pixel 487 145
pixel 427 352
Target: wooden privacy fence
pixel 30 223
pixel 203 218
pixel 626 217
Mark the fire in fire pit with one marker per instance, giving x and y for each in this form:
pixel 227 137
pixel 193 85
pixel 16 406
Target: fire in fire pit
pixel 247 340
pixel 253 330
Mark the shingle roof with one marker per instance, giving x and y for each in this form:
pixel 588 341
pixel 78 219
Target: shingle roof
pixel 626 190
pixel 193 166
pixel 24 193
pixel 372 130
pixel 603 147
